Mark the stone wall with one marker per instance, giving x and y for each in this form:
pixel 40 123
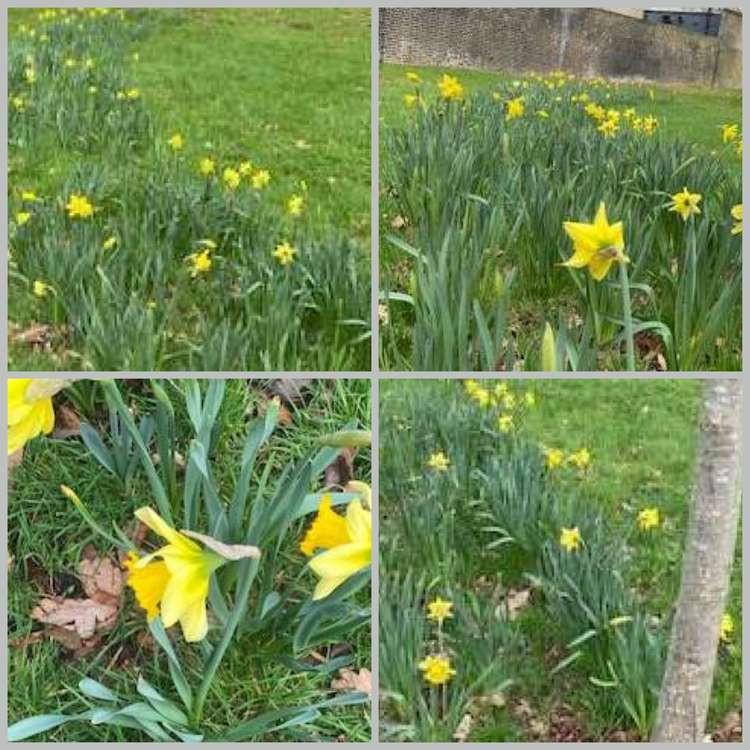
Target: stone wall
pixel 584 41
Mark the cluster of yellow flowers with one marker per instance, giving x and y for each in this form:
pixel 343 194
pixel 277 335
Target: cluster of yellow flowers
pixel 499 397
pixel 554 458
pixel 436 668
pixel 609 121
pixel 730 134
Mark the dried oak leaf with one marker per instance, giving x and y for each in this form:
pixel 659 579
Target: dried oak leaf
pixel 83 616
pixel 351 681
pixel 67 422
pixel 341 470
pixel 463 729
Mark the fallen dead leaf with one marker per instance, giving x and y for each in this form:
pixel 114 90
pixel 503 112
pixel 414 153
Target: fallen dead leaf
pixel 730 729
pixel 84 616
pixel 102 580
pixel 67 422
pixel 341 470
pixel 515 601
pixel 463 729
pixel 397 222
pixel 351 681
pixel 15 458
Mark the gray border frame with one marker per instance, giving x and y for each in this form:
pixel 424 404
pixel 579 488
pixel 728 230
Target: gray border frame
pixel 374 375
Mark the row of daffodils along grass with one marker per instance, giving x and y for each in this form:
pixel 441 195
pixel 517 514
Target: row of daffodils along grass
pixel 160 228
pixel 474 495
pixel 235 559
pixel 421 160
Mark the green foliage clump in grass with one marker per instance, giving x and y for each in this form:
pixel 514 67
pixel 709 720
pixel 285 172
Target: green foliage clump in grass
pixel 591 639
pixel 268 667
pixel 118 290
pixel 478 198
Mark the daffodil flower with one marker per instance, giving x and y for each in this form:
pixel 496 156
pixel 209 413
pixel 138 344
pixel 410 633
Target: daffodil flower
pixel 436 670
pixel 30 411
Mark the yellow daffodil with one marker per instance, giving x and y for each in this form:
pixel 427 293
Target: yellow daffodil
pixel 648 519
pixel 22 217
pixel 570 539
pixel 608 128
pixel 132 94
pixel 436 670
pixel 529 398
pixel 501 391
pixel 294 205
pixel 505 422
pixel 508 401
pixel 439 610
pixel 206 166
pixel 439 461
pixel 413 77
pixel 231 178
pixel 79 207
pixel 19 104
pixel 41 289
pixel 347 543
pixel 260 178
pixel 29 196
pixel 245 169
pixel 737 216
pixel 686 203
pixel 176 142
pixel 29 74
pixel 410 100
pixel 729 133
pixel 581 458
pixel 30 411
pixel 200 262
pixel 514 108
pixel 726 629
pixel 553 458
pixel 450 88
pixel 596 245
pixel 177 587
pixel 285 253
pixel 109 243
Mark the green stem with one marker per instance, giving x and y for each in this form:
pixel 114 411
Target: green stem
pixel 249 569
pixel 627 317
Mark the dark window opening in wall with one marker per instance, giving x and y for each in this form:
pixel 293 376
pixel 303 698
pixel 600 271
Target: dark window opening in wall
pixel 702 21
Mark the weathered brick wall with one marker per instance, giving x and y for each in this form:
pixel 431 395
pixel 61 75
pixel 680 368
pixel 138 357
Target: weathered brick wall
pixel 584 41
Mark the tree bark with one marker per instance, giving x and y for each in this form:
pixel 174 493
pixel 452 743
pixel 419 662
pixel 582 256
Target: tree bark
pixel 706 568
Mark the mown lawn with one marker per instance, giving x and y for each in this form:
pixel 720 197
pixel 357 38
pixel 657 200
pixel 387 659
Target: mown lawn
pixel 47 538
pixel 641 436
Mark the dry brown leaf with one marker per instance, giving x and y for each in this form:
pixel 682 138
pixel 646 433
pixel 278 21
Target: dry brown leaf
pixel 15 458
pixel 516 600
pixel 84 616
pixel 398 221
pixel 102 580
pixel 341 470
pixel 67 422
pixel 227 551
pixel 351 681
pixel 35 334
pixel 463 729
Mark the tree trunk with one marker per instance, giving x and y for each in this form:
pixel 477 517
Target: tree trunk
pixel 706 568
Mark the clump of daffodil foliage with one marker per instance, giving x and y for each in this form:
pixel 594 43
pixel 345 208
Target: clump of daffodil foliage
pixel 243 550
pixel 151 249
pixel 494 546
pixel 563 195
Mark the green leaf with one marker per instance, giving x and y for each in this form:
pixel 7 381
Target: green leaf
pixel 175 669
pixel 97 448
pixel 165 707
pixel 94 689
pixel 26 728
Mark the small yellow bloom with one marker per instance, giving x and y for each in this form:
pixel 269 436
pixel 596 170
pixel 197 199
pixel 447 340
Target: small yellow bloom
pixel 727 627
pixel 176 142
pixel 327 530
pixel 29 74
pixel 514 108
pixel 648 519
pixel 79 206
pixel 542 113
pixel 177 588
pixel 482 396
pixel 554 458
pixel 410 100
pixel 132 94
pixel 285 253
pixel 509 401
pixel 206 166
pixel 70 63
pixel 261 178
pixel 450 88
pixel 729 133
pixel 22 217
pixel 245 169
pixel 200 262
pixel 529 398
pixel 231 178
pixel 30 411
pixel 686 203
pixel 505 422
pixel 439 461
pixel 596 245
pixel 737 216
pixel 581 458
pixel 294 205
pixel 570 539
pixel 439 610
pixel 436 670
pixel 41 289
pixel 18 103
pixel 608 128
pixel 109 243
pixel 343 556
pixel 413 77
pixel 29 196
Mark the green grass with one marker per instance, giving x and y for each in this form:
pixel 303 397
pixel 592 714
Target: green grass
pixel 47 535
pixel 695 113
pixel 287 90
pixel 642 439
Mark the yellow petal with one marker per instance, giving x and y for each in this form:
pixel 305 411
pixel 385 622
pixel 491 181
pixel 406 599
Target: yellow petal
pixel 326 586
pixel 328 529
pixel 342 561
pixel 156 523
pixel 599 266
pixel 359 523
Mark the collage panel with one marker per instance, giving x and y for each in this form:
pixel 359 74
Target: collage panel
pixel 189 189
pixel 560 189
pixel 189 560
pixel 560 561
